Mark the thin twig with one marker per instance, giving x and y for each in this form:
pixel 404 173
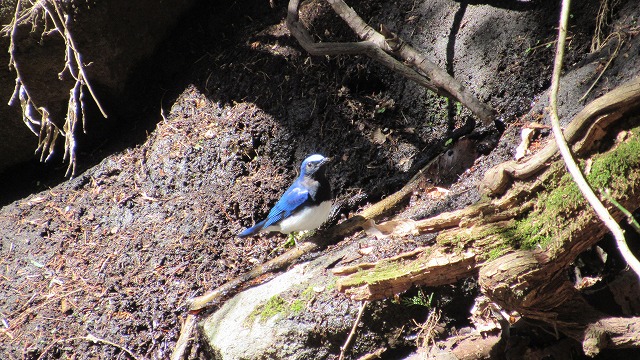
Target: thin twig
pixel 630 219
pixel 89 337
pixel 180 350
pixel 573 168
pixel 606 66
pixel 347 343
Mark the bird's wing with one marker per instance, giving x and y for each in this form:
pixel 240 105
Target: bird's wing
pixel 292 200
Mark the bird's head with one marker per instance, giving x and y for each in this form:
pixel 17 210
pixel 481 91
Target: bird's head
pixel 313 165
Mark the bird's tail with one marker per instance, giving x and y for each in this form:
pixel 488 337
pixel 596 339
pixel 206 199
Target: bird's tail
pixel 252 230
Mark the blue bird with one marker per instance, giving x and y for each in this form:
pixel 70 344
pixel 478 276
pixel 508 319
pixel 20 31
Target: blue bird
pixel 304 206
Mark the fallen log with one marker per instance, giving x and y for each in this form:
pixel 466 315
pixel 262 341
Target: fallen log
pixel 521 243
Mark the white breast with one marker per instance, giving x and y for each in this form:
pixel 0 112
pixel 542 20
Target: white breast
pixel 307 219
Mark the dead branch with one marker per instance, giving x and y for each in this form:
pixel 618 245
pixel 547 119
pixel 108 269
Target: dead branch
pixel 380 47
pixel 347 343
pixel 182 345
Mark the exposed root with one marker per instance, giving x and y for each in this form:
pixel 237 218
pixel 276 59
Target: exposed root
pixel 48 13
pixel 380 46
pixel 584 131
pixel 427 331
pixel 602 23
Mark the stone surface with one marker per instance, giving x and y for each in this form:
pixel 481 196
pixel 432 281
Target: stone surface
pixel 261 320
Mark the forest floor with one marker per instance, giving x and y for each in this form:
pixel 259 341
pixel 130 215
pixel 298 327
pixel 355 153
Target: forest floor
pixel 150 221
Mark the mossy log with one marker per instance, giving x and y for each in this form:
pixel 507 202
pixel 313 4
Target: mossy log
pixel 519 244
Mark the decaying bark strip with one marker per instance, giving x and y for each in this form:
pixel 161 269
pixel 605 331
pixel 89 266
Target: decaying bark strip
pixel 382 47
pixel 486 239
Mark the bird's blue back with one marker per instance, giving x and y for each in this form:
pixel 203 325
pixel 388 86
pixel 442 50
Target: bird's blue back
pixel 302 193
pixel 294 198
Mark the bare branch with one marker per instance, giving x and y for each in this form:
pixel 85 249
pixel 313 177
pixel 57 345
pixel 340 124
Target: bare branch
pixel 182 345
pixel 573 168
pixel 381 48
pixel 347 343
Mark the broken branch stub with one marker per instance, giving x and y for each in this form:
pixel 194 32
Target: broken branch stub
pixel 383 48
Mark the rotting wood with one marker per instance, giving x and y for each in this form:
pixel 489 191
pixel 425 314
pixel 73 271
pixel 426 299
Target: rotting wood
pixel 584 132
pixel 382 48
pixel 531 282
pixel 395 275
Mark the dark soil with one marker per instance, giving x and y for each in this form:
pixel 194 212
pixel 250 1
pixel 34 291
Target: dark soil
pixel 116 251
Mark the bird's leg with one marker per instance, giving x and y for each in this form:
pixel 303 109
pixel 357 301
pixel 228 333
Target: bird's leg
pixel 292 239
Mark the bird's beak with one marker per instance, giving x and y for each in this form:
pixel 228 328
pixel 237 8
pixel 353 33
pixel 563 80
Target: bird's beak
pixel 325 160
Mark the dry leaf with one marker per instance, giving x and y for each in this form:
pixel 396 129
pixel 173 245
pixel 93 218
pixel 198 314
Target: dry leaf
pixel 436 192
pixel 526 135
pixel 392 227
pixel 378 136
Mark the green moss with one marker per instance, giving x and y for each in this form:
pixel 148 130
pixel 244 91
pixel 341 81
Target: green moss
pixel 497 251
pixel 278 305
pixel 561 207
pixel 384 270
pixel 297 306
pixel 618 164
pixel 274 306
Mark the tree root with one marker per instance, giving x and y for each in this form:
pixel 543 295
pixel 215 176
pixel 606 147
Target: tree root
pixel 584 132
pixel 380 46
pixel 35 117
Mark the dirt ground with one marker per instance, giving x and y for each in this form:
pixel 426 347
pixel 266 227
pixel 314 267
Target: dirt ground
pixel 151 219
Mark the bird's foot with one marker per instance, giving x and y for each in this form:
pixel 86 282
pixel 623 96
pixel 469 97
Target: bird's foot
pixel 295 237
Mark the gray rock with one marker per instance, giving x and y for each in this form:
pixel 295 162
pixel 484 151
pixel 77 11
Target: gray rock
pixel 264 321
